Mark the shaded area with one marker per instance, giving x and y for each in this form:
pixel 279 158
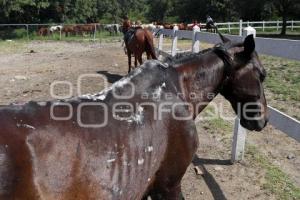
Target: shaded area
pixel 203 161
pixel 111 78
pixel 209 179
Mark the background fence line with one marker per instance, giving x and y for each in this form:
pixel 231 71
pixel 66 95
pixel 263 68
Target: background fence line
pixel 263 25
pixel 225 26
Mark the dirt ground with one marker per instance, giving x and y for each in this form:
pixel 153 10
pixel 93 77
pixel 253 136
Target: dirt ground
pixel 28 70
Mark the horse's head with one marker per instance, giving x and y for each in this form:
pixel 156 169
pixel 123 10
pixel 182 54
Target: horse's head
pixel 243 85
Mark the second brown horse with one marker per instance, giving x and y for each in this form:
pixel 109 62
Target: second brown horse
pixel 137 41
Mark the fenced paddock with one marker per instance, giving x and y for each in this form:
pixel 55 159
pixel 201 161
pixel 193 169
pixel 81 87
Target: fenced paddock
pixel 275 47
pixel 30 32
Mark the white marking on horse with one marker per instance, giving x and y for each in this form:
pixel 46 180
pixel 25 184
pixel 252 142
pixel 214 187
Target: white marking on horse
pixel 149 149
pixel 111 160
pixel 141 161
pixel 35 169
pixel 121 83
pixel 139 116
pixel 26 126
pixel 42 103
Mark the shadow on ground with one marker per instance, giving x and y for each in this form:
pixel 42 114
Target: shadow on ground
pixel 210 181
pixel 111 78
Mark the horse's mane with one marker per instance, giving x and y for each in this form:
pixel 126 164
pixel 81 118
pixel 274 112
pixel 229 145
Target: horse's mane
pixel 182 58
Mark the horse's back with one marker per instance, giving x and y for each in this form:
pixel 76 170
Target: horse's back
pixel 62 160
pixel 49 159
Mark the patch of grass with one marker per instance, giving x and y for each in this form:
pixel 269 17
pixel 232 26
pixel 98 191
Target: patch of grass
pixel 276 181
pixel 213 123
pixel 12 46
pixel 283 77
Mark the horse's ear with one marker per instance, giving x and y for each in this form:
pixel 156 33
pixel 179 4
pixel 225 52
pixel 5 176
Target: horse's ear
pixel 249 45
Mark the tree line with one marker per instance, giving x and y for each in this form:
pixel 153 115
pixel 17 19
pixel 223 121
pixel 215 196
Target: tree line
pixel 112 11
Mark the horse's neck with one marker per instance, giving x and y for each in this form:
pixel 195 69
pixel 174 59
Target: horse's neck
pixel 200 81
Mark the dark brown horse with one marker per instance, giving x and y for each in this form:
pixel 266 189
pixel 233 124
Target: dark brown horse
pixel 131 141
pixel 43 31
pixel 137 41
pixel 69 30
pixel 85 29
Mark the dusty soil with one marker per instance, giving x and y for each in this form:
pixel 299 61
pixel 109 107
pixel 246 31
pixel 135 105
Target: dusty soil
pixel 27 76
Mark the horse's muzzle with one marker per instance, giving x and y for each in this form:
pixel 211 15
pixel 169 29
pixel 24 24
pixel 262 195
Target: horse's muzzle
pixel 254 125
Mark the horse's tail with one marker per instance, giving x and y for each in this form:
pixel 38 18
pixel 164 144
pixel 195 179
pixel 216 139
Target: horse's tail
pixel 150 44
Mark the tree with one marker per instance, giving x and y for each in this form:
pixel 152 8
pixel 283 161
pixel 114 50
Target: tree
pixel 158 10
pixel 254 10
pixel 285 9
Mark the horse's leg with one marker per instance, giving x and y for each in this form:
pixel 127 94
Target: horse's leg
pixel 168 194
pixel 129 60
pixel 183 144
pixel 135 61
pixel 140 59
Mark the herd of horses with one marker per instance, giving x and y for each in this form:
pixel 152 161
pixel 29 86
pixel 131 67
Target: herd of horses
pixel 146 143
pixel 185 26
pixel 114 29
pixel 81 29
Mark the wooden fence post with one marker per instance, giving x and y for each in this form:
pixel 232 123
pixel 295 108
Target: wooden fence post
pixel 238 142
pixel 241 27
pixel 196 43
pixel 174 41
pixel 161 41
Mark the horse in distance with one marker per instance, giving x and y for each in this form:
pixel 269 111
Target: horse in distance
pixel 137 41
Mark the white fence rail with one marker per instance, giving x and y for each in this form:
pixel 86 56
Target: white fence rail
pixel 275 47
pixel 260 25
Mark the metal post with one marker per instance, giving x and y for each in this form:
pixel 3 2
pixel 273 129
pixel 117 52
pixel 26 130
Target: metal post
pixel 292 25
pixel 196 43
pixel 60 34
pixel 238 142
pixel 241 27
pixel 27 30
pixel 229 28
pixel 174 41
pixel 277 25
pixel 95 32
pixel 248 23
pixel 263 26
